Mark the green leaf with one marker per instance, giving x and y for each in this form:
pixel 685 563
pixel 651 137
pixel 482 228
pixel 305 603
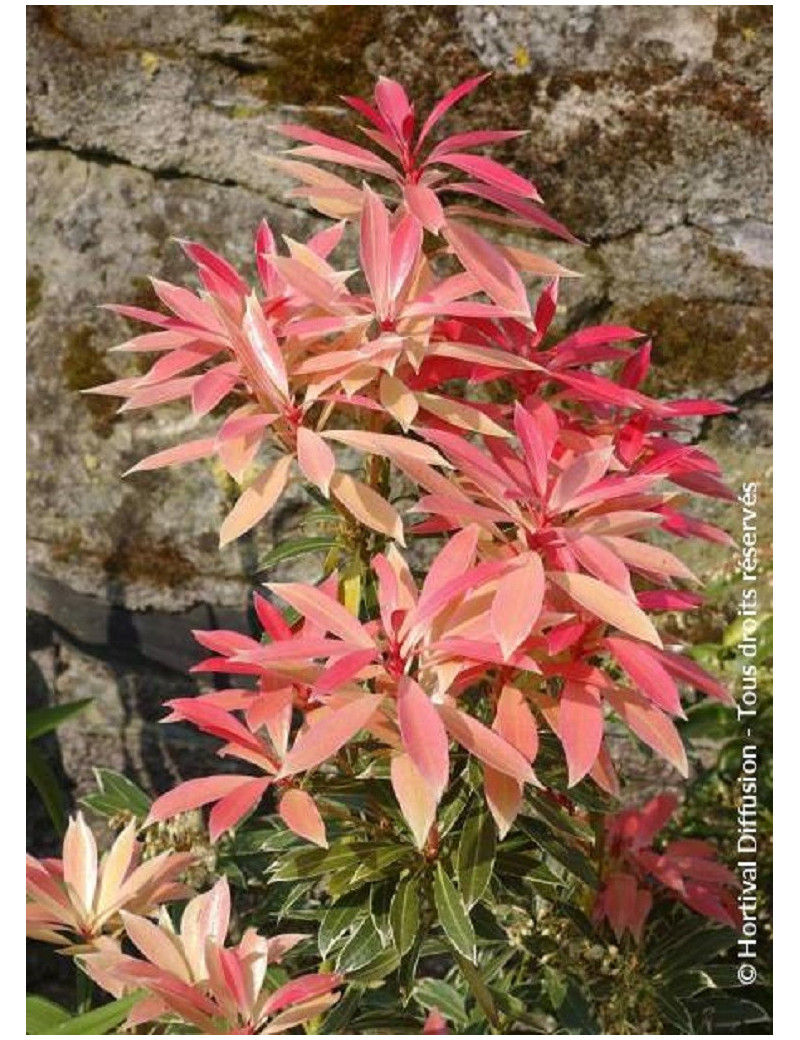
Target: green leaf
pixel 404 914
pixel 692 949
pixel 729 1012
pixel 340 1016
pixel 296 548
pixel 339 919
pixel 304 862
pixel 487 927
pixel 378 968
pixel 388 1020
pixel 527 865
pixel 117 794
pixel 42 1016
pixel 436 993
pixel 363 946
pixel 575 1013
pixel 381 863
pixel 453 916
pixel 475 859
pixel 575 861
pixel 479 989
pixel 99 1021
pixel 673 1012
pixel 453 805
pixel 40 774
pixel 45 720
pixel 555 986
pixel 558 817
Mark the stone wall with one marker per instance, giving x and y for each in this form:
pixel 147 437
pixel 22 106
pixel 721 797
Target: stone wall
pixel 650 136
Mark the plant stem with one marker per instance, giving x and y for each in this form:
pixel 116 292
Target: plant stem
pixel 83 991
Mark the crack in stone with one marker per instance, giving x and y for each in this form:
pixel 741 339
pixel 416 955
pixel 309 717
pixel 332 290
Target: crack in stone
pixel 104 157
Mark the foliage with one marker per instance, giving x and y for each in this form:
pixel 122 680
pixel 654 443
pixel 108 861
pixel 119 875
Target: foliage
pixel 424 783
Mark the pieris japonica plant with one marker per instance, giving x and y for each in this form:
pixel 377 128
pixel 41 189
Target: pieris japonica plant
pixel 424 749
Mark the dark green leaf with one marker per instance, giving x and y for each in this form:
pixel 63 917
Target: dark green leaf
pixel 575 1013
pixel 453 805
pixel 731 1012
pixel 380 902
pixel 475 859
pixel 404 914
pixel 486 925
pixel 575 861
pixel 390 1021
pixel 41 775
pixel 692 949
pixel 453 915
pixel 341 1015
pixel 44 720
pixel 673 1012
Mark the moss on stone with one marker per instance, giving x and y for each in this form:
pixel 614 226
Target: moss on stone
pixel 137 559
pixel 33 293
pixel 318 50
pixel 703 342
pixel 84 366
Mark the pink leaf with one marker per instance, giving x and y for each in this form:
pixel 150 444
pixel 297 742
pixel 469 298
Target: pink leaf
pixel 492 173
pixel 335 149
pixel 299 990
pixel 406 244
pixel 424 204
pixel 651 726
pixel 608 604
pixel 181 453
pixel 642 664
pixel 265 347
pixel 300 814
pixel 323 738
pixel 324 611
pixel 580 728
pixel 486 745
pixel 416 799
pixel 212 387
pixel 315 458
pixel 686 670
pixel 424 735
pixel 489 267
pixel 447 102
pixel 192 794
pixel 367 506
pixel 375 249
pixel 256 501
pixel 232 807
pixel 518 603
